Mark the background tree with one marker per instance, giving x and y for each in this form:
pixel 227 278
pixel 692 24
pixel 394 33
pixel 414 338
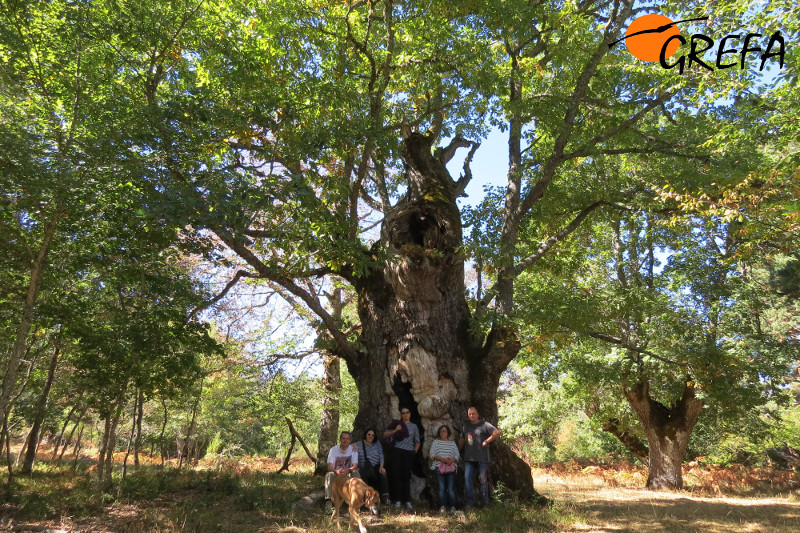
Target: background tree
pixel 678 326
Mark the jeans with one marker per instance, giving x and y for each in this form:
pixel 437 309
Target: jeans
pixel 447 489
pixel 483 477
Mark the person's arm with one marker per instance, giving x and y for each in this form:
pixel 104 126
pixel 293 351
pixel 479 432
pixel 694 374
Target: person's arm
pixel 417 442
pixel 456 455
pixel 434 451
pixel 381 459
pixel 389 432
pixel 361 454
pixel 493 437
pixel 331 461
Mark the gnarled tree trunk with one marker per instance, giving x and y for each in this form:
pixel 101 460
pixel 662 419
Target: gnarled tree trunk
pixel 416 347
pixel 667 430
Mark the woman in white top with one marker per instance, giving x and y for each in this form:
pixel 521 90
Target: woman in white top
pixel 444 456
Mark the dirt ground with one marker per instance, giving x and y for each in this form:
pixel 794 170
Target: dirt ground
pixel 603 505
pixel 585 499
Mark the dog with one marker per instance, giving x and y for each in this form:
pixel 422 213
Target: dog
pixel 356 493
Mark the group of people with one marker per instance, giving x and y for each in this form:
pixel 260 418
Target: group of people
pixel 365 459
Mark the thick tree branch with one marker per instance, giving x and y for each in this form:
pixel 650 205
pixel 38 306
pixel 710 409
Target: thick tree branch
pixel 613 28
pixel 555 239
pixel 466 177
pixel 627 124
pixel 446 154
pixel 628 346
pixel 239 275
pixel 263 233
pixel 543 249
pixel 313 303
pixel 633 443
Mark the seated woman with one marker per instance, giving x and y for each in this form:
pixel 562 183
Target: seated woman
pixel 370 463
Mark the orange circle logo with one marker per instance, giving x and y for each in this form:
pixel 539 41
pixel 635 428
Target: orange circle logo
pixel 646 35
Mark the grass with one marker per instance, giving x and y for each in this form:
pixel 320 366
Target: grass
pixel 246 495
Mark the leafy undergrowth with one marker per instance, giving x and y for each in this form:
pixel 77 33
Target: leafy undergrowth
pixel 248 495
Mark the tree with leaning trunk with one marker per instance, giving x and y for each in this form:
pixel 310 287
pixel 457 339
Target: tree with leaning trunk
pixel 670 319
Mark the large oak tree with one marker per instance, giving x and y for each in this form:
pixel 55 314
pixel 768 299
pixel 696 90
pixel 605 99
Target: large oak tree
pixel 312 140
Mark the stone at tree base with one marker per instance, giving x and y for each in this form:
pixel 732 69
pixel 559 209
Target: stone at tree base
pixel 312 502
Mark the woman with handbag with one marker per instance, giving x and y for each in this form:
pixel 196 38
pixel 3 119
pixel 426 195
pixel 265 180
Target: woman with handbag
pixel 444 456
pixel 370 463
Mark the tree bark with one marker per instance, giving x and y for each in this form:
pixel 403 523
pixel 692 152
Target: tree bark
pixel 329 422
pixel 416 348
pixel 71 434
pixel 105 462
pixel 138 441
pixel 7 441
pixel 60 439
pixel 185 451
pixel 38 265
pixel 629 440
pixel 132 435
pixel 667 431
pixel 295 437
pixel 161 442
pixel 41 410
pixel 76 451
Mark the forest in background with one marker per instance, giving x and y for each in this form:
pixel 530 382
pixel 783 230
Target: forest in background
pixel 138 138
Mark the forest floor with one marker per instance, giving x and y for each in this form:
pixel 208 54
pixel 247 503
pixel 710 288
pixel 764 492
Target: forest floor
pixel 245 495
pixel 611 499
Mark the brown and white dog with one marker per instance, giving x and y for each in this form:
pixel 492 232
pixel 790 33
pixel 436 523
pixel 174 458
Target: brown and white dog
pixel 355 492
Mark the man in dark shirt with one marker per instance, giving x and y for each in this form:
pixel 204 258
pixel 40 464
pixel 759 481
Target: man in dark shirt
pixel 477 435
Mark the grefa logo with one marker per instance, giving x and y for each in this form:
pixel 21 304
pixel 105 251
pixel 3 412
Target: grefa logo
pixel 654 38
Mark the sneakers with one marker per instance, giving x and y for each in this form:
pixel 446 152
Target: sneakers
pixel 397 504
pixel 328 506
pixel 409 506
pixel 385 500
pixel 452 509
pixel 442 510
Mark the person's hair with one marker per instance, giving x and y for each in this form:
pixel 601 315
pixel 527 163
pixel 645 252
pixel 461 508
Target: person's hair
pixel 373 430
pixel 476 409
pixel 343 433
pixel 404 407
pixel 445 426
